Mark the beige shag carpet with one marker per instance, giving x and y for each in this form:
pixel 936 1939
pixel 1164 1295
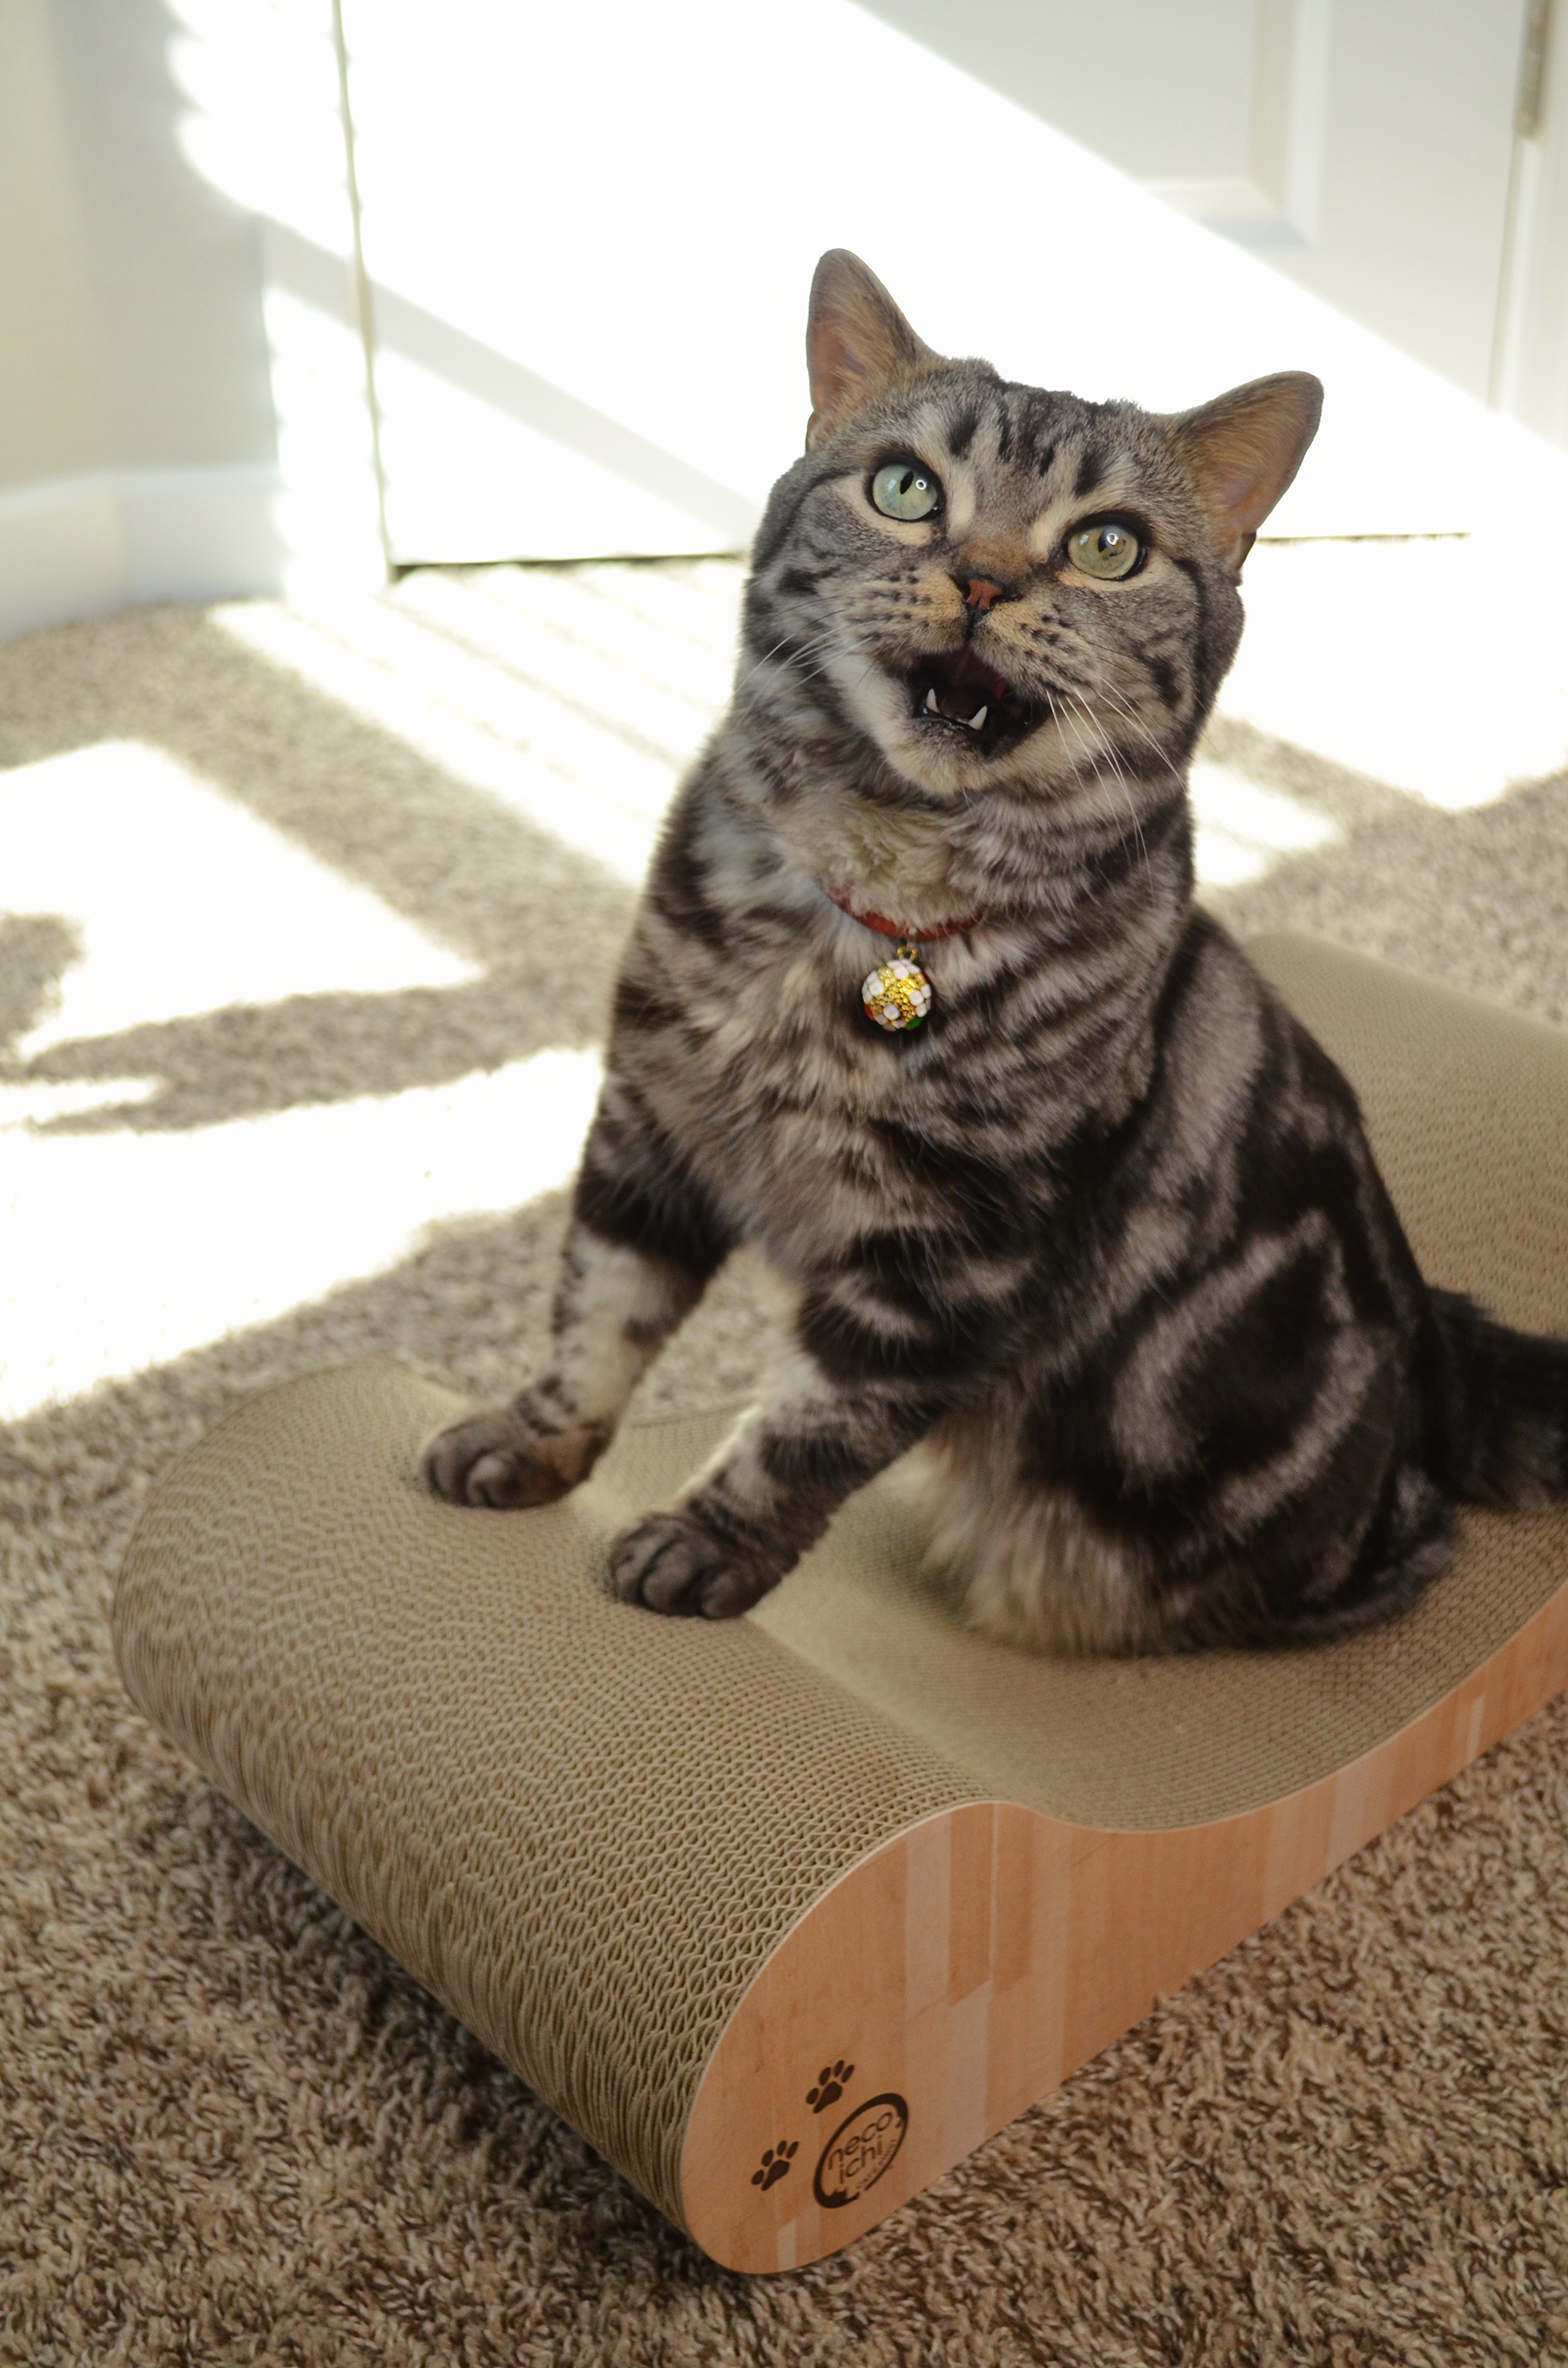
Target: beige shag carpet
pixel 306 924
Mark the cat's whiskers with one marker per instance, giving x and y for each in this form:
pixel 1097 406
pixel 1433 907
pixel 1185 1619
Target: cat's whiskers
pixel 1129 714
pixel 808 648
pixel 1110 758
pixel 757 664
pixel 833 633
pixel 841 637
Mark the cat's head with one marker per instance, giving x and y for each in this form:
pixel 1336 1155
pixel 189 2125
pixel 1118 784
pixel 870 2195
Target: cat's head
pixel 995 585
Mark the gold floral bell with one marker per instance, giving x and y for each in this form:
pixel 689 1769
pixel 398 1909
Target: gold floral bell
pixel 897 994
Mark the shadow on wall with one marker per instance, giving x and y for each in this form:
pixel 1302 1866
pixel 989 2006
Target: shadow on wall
pixel 139 448
pixel 636 384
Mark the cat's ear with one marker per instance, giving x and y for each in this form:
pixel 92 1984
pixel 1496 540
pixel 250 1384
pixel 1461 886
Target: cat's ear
pixel 1243 450
pixel 858 341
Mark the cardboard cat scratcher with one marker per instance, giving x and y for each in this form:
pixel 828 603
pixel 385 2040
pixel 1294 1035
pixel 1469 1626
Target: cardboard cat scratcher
pixel 785 1914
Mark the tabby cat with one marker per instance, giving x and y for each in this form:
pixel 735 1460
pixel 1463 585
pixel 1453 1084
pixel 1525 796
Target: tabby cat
pixel 1102 1234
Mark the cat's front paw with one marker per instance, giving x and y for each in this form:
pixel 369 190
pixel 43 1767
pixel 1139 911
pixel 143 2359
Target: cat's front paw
pixel 500 1458
pixel 671 1563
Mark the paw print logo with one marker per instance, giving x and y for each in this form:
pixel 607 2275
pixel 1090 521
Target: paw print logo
pixel 830 2086
pixel 775 2163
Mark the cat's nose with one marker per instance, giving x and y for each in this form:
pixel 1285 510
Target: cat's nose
pixel 979 591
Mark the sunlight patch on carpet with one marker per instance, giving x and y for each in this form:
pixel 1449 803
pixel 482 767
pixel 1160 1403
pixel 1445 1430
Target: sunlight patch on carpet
pixel 568 700
pixel 34 1104
pixel 183 901
pixel 127 1249
pixel 1244 830
pixel 1440 667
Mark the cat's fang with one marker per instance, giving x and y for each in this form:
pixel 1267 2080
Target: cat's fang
pixel 958 687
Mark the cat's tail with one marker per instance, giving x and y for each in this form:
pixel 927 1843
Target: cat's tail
pixel 1502 1408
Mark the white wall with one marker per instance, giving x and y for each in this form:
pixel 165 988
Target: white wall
pixel 590 233
pixel 183 401
pixel 51 420
pixel 56 546
pixel 1362 144
pixel 140 375
pixel 1530 378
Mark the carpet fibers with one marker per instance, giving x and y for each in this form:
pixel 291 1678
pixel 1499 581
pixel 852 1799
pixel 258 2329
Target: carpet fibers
pixel 308 920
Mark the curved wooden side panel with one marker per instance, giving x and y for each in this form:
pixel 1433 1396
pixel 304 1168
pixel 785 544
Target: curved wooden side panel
pixel 972 1963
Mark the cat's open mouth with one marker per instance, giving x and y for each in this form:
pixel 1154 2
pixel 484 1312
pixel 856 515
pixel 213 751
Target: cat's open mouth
pixel 959 693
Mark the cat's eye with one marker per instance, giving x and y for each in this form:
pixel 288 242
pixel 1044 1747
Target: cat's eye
pixel 1107 549
pixel 905 490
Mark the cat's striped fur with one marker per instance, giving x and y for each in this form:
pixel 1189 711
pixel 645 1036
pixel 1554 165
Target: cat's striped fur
pixel 1105 1235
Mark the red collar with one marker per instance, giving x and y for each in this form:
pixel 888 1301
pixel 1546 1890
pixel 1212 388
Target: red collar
pixel 880 922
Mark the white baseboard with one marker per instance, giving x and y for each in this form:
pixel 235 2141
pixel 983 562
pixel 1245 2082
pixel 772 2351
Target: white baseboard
pixel 199 534
pixel 62 552
pixel 79 546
